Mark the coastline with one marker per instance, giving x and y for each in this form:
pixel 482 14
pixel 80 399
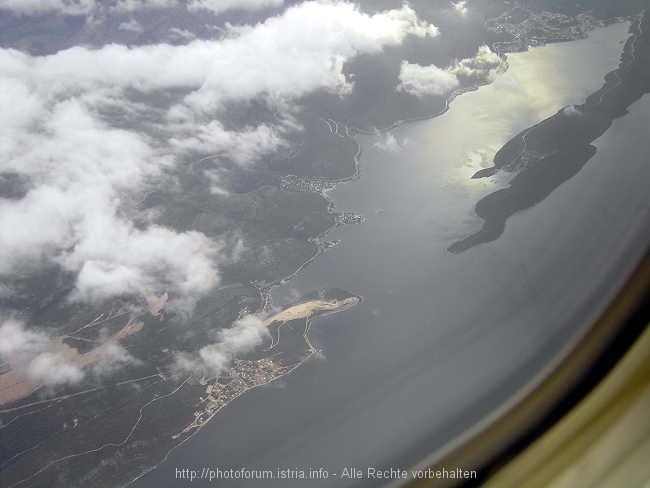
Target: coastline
pixel 267 288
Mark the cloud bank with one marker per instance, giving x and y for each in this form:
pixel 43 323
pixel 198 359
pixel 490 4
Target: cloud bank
pixel 87 152
pixel 89 133
pixel 80 171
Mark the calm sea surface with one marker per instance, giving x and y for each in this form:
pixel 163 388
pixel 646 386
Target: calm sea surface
pixel 441 340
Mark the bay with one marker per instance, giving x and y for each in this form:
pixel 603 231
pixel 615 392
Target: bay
pixel 442 340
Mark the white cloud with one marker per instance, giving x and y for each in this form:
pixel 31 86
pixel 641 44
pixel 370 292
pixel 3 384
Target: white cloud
pixel 425 80
pixel 481 64
pixel 32 355
pixel 220 6
pixel 177 33
pixel 48 361
pixel 15 340
pixel 301 50
pixel 390 143
pixel 238 249
pixel 133 5
pixel 507 81
pixel 571 111
pixel 215 176
pixel 111 357
pixel 215 6
pixel 65 7
pixel 114 258
pixel 461 7
pixel 132 26
pixel 80 171
pixel 240 146
pixel 245 335
pixel 52 368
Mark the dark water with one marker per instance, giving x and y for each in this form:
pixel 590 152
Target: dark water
pixel 441 340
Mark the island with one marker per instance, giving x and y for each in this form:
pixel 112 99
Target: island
pixel 551 152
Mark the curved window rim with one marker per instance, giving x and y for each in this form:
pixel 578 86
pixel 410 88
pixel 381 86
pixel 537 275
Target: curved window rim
pixel 494 447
